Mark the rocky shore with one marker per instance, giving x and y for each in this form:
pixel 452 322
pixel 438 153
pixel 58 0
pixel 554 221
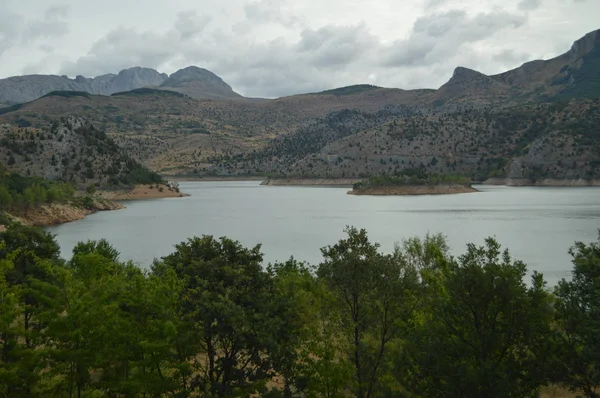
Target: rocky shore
pixel 444 189
pixel 60 213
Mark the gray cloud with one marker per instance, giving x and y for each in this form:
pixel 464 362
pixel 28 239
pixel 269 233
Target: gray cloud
pixel 436 37
pixel 15 29
pixel 189 24
pixel 510 58
pixel 529 5
pixel 270 11
pixel 281 47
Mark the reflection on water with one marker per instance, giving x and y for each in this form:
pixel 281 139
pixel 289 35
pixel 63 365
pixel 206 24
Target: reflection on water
pixel 538 225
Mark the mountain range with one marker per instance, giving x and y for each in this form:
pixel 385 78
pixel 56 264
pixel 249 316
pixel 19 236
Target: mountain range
pixel 193 81
pixel 503 125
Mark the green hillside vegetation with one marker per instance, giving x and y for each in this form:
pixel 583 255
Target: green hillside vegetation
pixel 211 320
pixel 150 91
pixel 19 194
pixel 411 177
pixel 67 94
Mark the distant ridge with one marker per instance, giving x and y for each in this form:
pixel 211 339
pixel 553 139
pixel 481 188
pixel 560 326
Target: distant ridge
pixel 192 81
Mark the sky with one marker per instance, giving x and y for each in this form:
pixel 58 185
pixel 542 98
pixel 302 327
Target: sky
pixel 272 48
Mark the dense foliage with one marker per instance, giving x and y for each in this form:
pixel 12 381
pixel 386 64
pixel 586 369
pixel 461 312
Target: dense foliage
pixel 210 320
pixel 18 193
pixel 411 177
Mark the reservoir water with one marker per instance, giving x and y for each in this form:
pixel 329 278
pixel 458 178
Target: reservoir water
pixel 537 224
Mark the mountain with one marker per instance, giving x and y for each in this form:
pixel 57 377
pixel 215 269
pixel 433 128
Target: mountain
pixel 193 81
pixel 21 89
pixel 71 150
pixel 166 129
pixel 199 83
pixel 573 74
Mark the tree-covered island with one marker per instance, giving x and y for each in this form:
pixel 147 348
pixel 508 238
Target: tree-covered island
pixel 413 182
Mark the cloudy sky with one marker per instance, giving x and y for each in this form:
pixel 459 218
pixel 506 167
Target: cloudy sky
pixel 272 48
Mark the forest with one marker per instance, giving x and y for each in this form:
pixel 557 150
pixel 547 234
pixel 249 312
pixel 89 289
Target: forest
pixel 18 194
pixel 213 320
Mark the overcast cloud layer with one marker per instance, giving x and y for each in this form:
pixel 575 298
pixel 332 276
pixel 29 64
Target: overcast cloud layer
pixel 270 48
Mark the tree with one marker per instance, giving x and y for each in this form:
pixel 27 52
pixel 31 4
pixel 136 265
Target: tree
pixel 482 331
pixel 9 313
pixel 309 362
pixel 6 199
pixel 33 257
pixel 232 321
pixel 578 317
pixel 374 296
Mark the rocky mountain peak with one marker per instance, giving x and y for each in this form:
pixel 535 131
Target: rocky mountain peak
pixel 585 45
pixel 199 83
pixel 462 74
pixel 138 77
pixel 193 73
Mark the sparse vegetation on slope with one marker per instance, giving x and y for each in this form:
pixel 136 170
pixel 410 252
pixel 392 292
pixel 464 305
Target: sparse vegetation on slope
pixel 534 142
pixel 70 150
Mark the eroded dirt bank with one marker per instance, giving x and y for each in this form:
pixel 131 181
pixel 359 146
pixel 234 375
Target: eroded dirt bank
pixel 60 213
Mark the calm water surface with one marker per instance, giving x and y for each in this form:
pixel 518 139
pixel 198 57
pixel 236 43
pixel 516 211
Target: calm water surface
pixel 537 224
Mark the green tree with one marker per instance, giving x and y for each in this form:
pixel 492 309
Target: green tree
pixel 309 362
pixel 578 317
pixel 375 297
pixel 33 255
pixel 10 377
pixel 6 199
pixel 232 323
pixel 482 331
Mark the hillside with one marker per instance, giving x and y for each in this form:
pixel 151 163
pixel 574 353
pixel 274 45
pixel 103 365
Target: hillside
pixel 70 150
pixel 173 133
pixel 534 142
pixel 167 130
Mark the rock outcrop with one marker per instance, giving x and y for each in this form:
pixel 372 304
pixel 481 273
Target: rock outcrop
pixel 199 83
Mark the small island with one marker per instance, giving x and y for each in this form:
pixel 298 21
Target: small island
pixel 412 182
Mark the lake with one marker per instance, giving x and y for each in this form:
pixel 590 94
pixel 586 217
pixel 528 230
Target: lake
pixel 537 224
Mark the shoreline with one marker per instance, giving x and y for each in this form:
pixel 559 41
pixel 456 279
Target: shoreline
pixel 413 190
pixel 140 192
pixel 216 178
pixel 546 182
pixel 311 181
pixel 62 213
pixel 509 182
